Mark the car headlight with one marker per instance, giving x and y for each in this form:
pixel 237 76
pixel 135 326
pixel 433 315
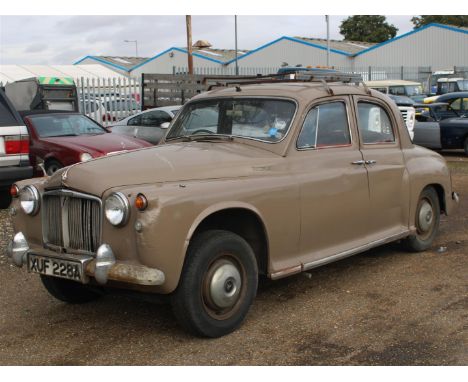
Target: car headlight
pixel 117 209
pixel 85 157
pixel 30 200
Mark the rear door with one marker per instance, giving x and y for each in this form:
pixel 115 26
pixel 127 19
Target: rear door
pixel 383 159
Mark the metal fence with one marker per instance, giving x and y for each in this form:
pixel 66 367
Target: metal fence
pixel 368 73
pixel 107 100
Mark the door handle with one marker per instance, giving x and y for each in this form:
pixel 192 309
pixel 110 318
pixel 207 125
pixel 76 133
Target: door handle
pixel 371 161
pixel 359 162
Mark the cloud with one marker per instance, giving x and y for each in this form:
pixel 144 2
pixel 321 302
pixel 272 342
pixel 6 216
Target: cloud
pixel 64 39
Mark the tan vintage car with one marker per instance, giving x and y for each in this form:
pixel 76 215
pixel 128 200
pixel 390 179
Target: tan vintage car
pixel 261 179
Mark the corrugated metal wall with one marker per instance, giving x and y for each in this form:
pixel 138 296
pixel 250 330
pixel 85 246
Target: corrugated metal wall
pixel 436 47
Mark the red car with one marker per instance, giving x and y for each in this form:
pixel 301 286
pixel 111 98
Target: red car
pixel 59 139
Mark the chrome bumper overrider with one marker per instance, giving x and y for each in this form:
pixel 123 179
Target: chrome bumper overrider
pixel 103 267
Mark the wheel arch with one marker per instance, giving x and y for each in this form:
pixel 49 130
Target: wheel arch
pixel 239 218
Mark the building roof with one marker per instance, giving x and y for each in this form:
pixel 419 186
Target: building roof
pixel 217 54
pixel 346 46
pixel 11 73
pixel 121 63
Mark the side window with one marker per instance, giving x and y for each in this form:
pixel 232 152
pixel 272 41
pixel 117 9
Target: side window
pixel 325 125
pixel 456 105
pixel 374 124
pixel 397 90
pixel 155 118
pixel 135 121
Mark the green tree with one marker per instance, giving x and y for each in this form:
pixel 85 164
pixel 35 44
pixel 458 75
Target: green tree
pixel 373 28
pixel 456 20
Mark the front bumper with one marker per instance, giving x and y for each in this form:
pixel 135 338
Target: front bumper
pixel 103 267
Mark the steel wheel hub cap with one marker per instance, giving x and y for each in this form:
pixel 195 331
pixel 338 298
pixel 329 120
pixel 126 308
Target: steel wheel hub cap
pixel 426 216
pixel 225 286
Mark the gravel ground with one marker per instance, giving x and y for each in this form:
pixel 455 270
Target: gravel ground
pixel 382 307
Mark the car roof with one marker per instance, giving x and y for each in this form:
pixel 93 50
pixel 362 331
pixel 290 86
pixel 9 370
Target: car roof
pixel 25 113
pixel 453 95
pixel 301 91
pixel 390 83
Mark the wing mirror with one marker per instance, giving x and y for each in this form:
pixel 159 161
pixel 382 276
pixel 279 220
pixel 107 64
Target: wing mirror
pixel 164 125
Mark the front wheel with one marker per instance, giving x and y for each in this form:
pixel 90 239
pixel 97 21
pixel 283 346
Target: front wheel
pixel 218 284
pixel 52 166
pixel 427 221
pixel 69 291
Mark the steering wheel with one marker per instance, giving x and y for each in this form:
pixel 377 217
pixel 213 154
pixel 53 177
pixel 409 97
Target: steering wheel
pixel 202 131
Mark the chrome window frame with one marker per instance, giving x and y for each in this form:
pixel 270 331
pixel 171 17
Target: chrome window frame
pixel 348 120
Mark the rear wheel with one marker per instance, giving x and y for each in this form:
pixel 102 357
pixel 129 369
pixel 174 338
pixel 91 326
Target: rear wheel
pixel 218 284
pixel 52 166
pixel 69 291
pixel 427 221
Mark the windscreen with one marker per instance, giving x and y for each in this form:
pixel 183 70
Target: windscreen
pixel 255 118
pixel 65 125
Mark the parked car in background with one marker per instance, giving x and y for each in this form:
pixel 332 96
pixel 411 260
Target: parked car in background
pixel 60 139
pixel 405 104
pixel 440 127
pixel 109 110
pixel 14 149
pixel 411 89
pixel 287 177
pixel 457 101
pixel 450 85
pixel 150 125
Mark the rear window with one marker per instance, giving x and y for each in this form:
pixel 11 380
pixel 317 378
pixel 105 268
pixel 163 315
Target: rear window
pixel 59 125
pixel 8 115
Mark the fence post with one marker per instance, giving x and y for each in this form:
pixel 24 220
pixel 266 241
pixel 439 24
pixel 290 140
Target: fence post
pixel 369 74
pixel 402 73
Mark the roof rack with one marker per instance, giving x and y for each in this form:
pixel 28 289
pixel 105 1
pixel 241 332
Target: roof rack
pixel 323 77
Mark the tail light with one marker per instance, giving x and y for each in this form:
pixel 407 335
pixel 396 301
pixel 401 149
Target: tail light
pixel 16 144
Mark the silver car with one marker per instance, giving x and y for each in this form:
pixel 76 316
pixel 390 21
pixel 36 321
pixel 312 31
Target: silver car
pixel 149 125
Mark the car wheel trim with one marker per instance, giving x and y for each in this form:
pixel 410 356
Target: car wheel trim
pixel 224 287
pixel 426 221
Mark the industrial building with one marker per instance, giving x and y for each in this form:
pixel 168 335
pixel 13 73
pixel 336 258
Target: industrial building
pixel 434 46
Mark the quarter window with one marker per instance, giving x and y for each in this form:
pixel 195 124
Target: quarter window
pixel 374 124
pixel 325 125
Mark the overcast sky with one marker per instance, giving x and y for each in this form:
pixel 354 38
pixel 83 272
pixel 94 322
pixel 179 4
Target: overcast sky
pixel 65 39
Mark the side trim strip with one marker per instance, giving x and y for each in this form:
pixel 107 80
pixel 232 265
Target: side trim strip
pixel 342 255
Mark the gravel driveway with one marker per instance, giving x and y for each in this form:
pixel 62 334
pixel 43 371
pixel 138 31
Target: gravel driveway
pixel 382 307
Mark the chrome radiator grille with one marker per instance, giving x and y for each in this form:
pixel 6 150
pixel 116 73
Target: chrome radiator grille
pixel 71 221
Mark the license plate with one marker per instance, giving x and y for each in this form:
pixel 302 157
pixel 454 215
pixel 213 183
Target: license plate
pixel 49 266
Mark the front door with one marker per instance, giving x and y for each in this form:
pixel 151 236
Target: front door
pixel 333 182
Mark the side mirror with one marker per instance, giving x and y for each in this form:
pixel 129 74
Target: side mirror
pixel 164 125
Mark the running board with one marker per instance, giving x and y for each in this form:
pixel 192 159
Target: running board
pixel 338 256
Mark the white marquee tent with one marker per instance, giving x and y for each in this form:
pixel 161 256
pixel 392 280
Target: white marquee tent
pixel 11 73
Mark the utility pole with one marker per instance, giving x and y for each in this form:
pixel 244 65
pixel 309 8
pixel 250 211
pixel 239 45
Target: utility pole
pixel 327 19
pixel 235 36
pixel 188 21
